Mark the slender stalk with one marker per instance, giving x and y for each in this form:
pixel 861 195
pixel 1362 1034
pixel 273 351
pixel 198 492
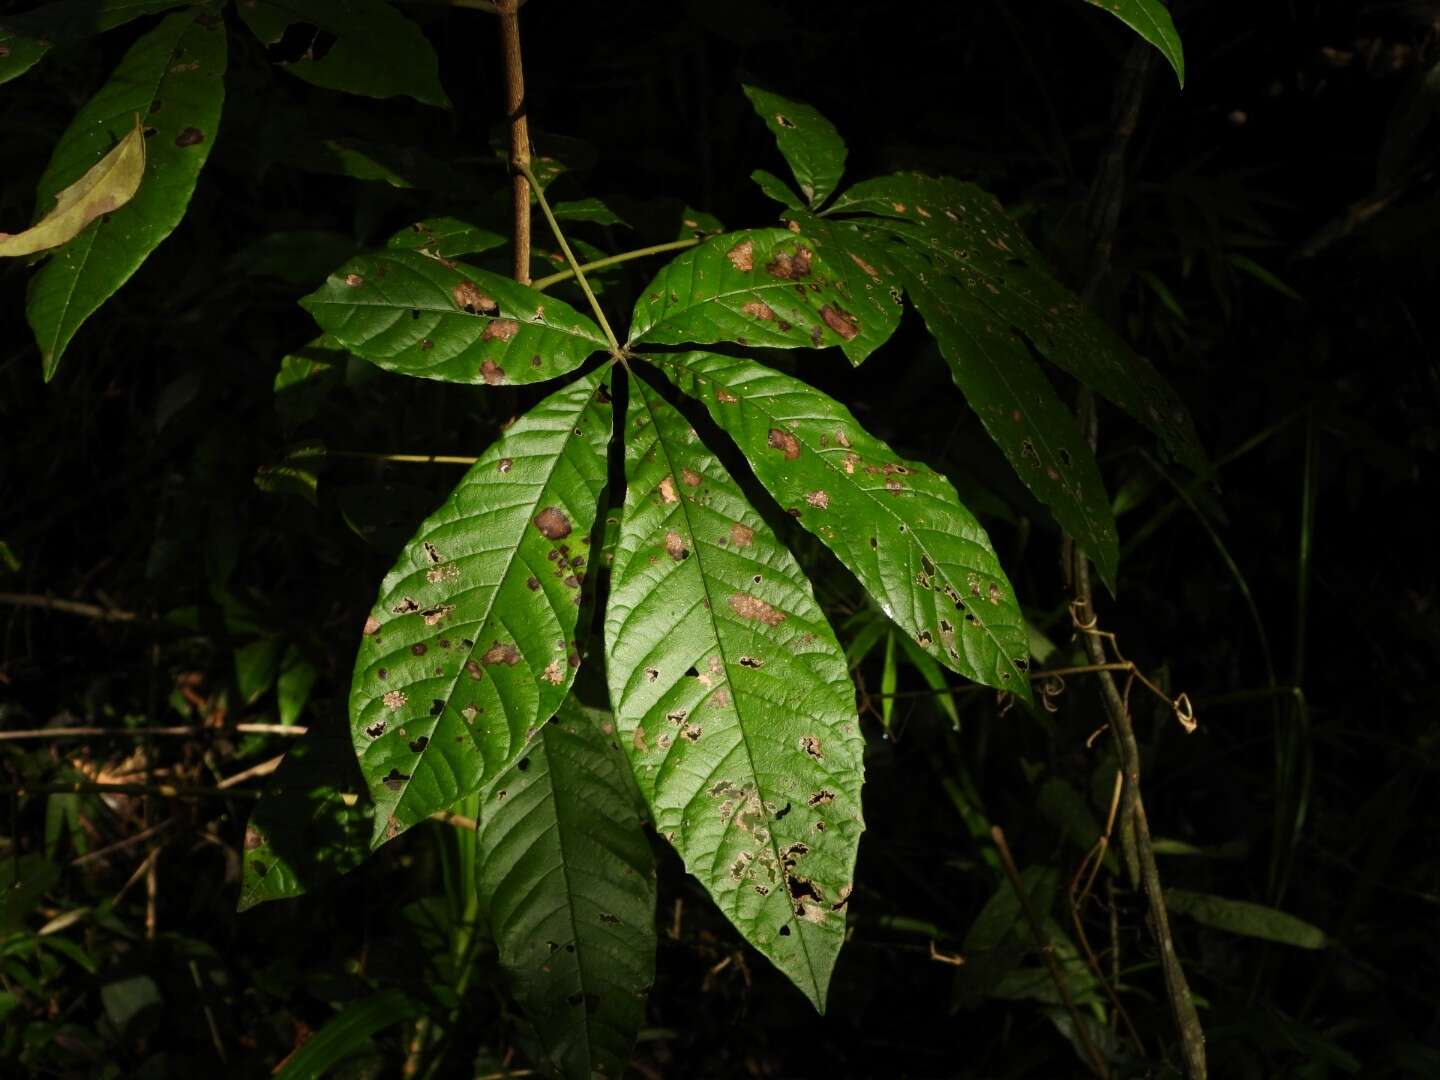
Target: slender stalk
pixel 508 11
pixel 69 607
pixel 416 459
pixel 570 258
pixel 612 260
pixel 145 732
pixel 166 791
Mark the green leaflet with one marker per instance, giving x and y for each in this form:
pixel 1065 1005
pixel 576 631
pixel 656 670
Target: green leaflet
pixel 377 52
pixel 349 1032
pixel 897 525
pixel 732 699
pixel 809 143
pixel 1151 20
pixel 864 272
pixel 446 237
pixel 173 76
pixel 416 315
pixel 965 234
pixel 567 884
pixel 777 189
pixel 309 826
pixel 1019 410
pixel 766 287
pixel 26 37
pixel 471 646
pixel 1244 917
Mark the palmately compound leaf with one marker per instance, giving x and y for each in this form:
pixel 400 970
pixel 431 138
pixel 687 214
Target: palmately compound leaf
pixel 312 823
pixel 897 524
pixel 26 37
pixel 809 143
pixel 446 237
pixel 732 699
pixel 108 185
pixel 766 287
pixel 471 646
pixel 965 233
pixel 567 884
pixel 438 319
pixel 173 76
pixel 374 51
pixel 1151 20
pixel 1019 409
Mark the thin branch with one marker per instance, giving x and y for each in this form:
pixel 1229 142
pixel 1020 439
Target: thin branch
pixel 69 607
pixel 1047 950
pixel 165 791
pixel 146 732
pixel 508 10
pixel 613 260
pixel 570 258
pixel 415 459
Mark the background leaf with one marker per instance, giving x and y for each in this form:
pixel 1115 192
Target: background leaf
pixel 471 646
pixel 349 1032
pixel 358 46
pixel 173 76
pixel 1244 917
pixel 312 823
pixel 567 883
pixel 965 234
pixel 809 143
pixel 1020 411
pixel 447 237
pixel 897 525
pixel 26 37
pixel 1151 20
pixel 409 313
pixel 764 287
pixel 732 699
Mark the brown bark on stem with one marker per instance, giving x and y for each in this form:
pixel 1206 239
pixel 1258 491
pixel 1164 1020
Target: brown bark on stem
pixel 519 133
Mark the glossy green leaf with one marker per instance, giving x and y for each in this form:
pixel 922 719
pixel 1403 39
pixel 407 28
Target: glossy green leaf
pixel 431 317
pixel 809 143
pixel 1244 917
pixel 305 378
pixel 777 189
pixel 1151 20
pixel 765 287
pixel 293 684
pixel 26 37
pixel 174 78
pixel 471 646
pixel 863 272
pixel 256 666
pixel 567 884
pixel 376 51
pixel 897 525
pixel 1019 409
pixel 591 210
pixel 732 699
pixel 447 237
pixel 312 823
pixel 348 1033
pixel 966 235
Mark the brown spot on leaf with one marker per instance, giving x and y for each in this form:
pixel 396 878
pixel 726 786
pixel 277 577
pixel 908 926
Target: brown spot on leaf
pixel 818 499
pixel 783 441
pixel 469 298
pixel 552 523
pixel 372 625
pixel 741 535
pixel 742 256
pixel 758 310
pixel 189 137
pixel 504 465
pixel 500 330
pixel 842 322
pixel 376 729
pixel 789 267
pixel 354 280
pixel 675 546
pixel 821 797
pixel 667 490
pixel 502 653
pixel 874 274
pixel 554 673
pixel 752 607
pixel 811 745
pixel 394 699
pixel 725 397
pixel 473 670
pixel 491 372
pixel 395 780
pixel 690 477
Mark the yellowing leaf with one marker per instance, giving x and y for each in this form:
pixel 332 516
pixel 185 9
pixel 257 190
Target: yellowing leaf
pixel 108 185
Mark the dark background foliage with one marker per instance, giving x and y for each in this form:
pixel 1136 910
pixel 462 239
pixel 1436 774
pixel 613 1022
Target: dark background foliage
pixel 1302 145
